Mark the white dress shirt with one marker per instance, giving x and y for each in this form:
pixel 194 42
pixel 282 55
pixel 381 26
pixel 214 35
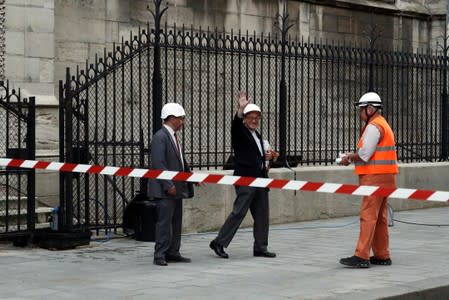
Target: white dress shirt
pixel 172 134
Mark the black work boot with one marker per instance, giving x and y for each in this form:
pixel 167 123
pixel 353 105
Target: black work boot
pixel 355 262
pixel 381 262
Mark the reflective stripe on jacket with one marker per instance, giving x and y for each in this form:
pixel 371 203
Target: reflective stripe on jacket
pixel 384 158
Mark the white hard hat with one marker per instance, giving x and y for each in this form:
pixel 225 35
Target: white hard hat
pixel 251 107
pixel 172 109
pixel 370 98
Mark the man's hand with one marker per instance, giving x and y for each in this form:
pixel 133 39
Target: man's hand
pixel 243 99
pixel 268 155
pixel 172 191
pixel 242 102
pixel 346 159
pixel 274 155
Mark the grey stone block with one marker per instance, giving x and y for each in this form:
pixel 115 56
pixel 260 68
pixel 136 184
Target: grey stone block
pixel 80 29
pixel 344 24
pixel 118 10
pixel 36 88
pixel 32 69
pixel 15 42
pixel 74 9
pixel 40 20
pixel 40 45
pixel 15 19
pixel 46 67
pixel 112 32
pixel 72 51
pixel 15 67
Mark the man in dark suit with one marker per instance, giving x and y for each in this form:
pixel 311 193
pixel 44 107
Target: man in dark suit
pixel 249 158
pixel 166 154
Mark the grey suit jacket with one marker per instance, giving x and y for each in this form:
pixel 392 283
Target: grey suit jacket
pixel 164 157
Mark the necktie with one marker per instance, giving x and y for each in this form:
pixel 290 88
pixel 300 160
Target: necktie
pixel 177 145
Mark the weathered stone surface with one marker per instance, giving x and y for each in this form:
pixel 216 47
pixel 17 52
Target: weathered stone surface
pixel 40 45
pixel 90 9
pixel 32 69
pixel 37 88
pixel 118 10
pixel 15 42
pixel 112 32
pixel 14 67
pixel 80 30
pixel 84 27
pixel 71 51
pixel 15 19
pixel 39 19
pixel 46 73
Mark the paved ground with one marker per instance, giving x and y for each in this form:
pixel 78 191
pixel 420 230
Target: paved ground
pixel 306 267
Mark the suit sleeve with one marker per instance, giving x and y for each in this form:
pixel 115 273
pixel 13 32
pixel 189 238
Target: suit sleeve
pixel 159 159
pixel 237 128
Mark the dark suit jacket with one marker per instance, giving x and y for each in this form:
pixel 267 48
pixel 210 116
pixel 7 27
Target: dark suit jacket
pixel 164 157
pixel 248 161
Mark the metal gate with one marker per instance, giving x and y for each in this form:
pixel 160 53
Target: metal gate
pixel 110 108
pixel 17 186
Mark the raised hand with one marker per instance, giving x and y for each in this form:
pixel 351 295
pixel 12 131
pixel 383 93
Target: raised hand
pixel 242 102
pixel 243 99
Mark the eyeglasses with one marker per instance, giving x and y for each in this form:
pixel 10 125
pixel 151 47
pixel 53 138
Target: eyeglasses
pixel 253 118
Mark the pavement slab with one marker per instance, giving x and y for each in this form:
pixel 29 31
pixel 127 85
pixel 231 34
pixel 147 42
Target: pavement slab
pixel 306 266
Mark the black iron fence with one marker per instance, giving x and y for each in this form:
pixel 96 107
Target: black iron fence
pixel 107 115
pixel 17 186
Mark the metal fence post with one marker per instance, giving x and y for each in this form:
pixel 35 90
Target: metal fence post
pixel 284 27
pixel 444 96
pixel 157 76
pixel 61 149
pixel 67 209
pixel 31 145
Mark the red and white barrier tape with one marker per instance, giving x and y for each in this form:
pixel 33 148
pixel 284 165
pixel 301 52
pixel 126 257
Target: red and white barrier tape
pixel 319 187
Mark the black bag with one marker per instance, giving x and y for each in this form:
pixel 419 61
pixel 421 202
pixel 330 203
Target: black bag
pixel 188 191
pixel 140 217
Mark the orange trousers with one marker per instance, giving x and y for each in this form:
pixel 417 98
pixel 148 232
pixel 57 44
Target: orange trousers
pixel 374 218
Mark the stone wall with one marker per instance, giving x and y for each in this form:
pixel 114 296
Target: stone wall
pixel 44 37
pixel 212 203
pixel 207 212
pixel 30 48
pixel 84 28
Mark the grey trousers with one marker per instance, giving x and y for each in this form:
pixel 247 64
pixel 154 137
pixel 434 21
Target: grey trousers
pixel 256 200
pixel 168 227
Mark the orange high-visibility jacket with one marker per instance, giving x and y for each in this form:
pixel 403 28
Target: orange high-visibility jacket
pixel 384 158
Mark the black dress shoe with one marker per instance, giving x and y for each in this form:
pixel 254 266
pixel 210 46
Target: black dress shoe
pixel 218 249
pixel 160 261
pixel 264 253
pixel 177 258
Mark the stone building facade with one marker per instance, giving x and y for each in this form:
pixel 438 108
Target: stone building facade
pixel 44 37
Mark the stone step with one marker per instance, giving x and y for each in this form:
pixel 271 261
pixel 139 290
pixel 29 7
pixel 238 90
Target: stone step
pixel 42 216
pixel 13 202
pixel 12 228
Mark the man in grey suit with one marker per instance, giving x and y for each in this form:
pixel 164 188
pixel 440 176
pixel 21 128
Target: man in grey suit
pixel 166 154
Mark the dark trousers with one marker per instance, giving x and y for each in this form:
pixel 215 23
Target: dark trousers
pixel 255 199
pixel 168 227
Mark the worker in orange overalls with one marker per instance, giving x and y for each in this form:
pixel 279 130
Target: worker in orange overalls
pixel 376 165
